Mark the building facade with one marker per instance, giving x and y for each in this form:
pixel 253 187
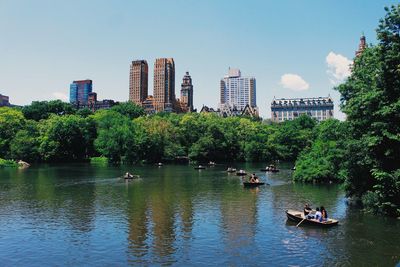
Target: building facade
pixel 93 104
pixel 187 92
pixel 138 81
pixel 164 84
pixel 79 91
pixel 4 101
pixel 319 108
pixel 237 91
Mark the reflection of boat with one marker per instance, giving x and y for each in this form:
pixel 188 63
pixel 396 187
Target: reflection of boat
pixel 241 173
pixel 248 184
pixel 270 168
pixel 200 167
pixel 298 216
pixel 231 169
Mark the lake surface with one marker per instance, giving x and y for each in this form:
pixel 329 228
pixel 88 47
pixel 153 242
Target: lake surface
pixel 80 214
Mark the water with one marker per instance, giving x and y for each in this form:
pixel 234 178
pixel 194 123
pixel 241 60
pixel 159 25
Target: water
pixel 78 214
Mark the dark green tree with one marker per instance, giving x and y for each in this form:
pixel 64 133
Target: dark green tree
pixel 39 110
pixel 371 100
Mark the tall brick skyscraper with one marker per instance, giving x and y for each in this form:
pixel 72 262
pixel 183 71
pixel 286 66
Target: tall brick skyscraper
pixel 164 84
pixel 138 81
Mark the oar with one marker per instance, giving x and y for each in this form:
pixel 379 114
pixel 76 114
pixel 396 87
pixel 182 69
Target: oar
pixel 301 222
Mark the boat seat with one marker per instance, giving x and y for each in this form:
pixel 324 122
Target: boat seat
pixel 297 214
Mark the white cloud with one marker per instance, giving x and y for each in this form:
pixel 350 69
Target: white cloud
pixel 294 82
pixel 338 67
pixel 60 95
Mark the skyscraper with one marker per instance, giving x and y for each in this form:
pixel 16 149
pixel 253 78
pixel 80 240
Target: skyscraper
pixel 138 81
pixel 164 84
pixel 237 91
pixel 79 91
pixel 187 92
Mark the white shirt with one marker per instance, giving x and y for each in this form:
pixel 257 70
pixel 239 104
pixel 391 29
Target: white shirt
pixel 318 215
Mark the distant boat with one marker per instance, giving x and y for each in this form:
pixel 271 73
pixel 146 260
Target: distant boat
pixel 248 184
pixel 129 176
pixel 298 216
pixel 200 167
pixel 241 173
pixel 294 168
pixel 159 164
pixel 231 169
pixel 270 168
pixel 211 163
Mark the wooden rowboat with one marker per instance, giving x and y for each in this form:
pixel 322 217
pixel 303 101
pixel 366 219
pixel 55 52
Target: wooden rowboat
pixel 298 216
pixel 248 184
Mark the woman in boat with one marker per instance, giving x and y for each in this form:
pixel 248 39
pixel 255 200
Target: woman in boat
pixel 324 214
pixel 256 180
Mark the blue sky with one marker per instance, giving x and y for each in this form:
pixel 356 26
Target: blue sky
pixel 293 48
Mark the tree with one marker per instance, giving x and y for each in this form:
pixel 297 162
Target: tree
pixel 25 144
pixel 39 110
pixel 371 100
pixel 11 121
pixel 129 109
pixel 64 138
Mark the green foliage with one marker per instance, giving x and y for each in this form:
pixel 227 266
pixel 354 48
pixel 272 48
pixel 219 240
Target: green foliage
pixel 8 163
pixel 129 109
pixel 99 160
pixel 25 144
pixel 65 138
pixel 11 121
pixel 322 162
pixel 371 100
pixel 40 110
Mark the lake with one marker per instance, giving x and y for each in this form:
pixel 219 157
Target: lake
pixel 82 214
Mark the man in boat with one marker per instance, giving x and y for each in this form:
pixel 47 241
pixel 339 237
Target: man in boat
pixel 318 215
pixel 307 210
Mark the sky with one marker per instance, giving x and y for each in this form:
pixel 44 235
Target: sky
pixel 293 48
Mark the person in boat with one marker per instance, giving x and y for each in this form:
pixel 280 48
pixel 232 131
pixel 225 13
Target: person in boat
pixel 307 210
pixel 324 214
pixel 318 215
pixel 252 178
pixel 128 175
pixel 256 180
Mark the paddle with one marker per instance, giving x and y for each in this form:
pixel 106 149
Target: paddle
pixel 301 222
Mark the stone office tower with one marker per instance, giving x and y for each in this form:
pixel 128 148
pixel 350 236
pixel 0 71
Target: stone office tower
pixel 138 81
pixel 187 92
pixel 164 84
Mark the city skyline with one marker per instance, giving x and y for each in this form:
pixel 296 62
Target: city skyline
pixel 278 43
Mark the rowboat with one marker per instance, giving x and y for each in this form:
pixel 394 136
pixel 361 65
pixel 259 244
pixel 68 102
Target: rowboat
pixel 298 216
pixel 129 176
pixel 248 184
pixel 270 168
pixel 231 170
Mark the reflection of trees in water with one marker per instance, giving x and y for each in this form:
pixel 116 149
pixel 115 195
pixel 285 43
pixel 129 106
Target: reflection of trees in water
pixel 364 238
pixel 138 222
pixel 239 217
